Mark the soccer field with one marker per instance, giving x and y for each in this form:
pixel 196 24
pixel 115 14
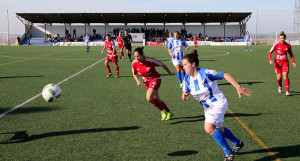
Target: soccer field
pixel 99 118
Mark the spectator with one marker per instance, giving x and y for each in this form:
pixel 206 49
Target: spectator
pixel 74 33
pixel 66 32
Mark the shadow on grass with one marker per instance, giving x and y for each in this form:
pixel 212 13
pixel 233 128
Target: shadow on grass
pixel 248 83
pixel 202 118
pixel 22 136
pixel 25 110
pixel 280 152
pixel 183 153
pixel 21 77
pixel 294 93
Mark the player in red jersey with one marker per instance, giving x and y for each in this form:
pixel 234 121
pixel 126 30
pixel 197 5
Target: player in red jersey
pixel 111 55
pixel 120 42
pixel 195 41
pixel 281 62
pixel 145 66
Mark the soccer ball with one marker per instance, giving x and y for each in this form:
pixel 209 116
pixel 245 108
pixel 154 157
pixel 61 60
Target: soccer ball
pixel 51 92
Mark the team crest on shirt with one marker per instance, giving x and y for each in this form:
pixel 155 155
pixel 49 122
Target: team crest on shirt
pixel 286 49
pixel 148 69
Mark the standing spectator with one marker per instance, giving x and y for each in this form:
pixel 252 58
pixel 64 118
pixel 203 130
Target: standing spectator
pixel 66 32
pixel 94 31
pixel 74 33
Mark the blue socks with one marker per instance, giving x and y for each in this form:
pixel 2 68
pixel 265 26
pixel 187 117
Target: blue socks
pixel 87 48
pixel 250 47
pixel 182 76
pixel 220 138
pixel 179 77
pixel 246 47
pixel 229 136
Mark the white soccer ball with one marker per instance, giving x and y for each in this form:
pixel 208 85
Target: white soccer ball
pixel 51 92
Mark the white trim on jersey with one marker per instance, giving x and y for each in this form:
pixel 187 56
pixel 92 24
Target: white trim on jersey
pixel 153 61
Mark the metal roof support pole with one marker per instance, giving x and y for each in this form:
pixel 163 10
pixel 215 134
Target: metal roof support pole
pixel 105 29
pixel 65 29
pixel 145 26
pixel 183 25
pixel 89 28
pixel 164 28
pixel 224 29
pixel 84 29
pixel 204 29
pixel 45 31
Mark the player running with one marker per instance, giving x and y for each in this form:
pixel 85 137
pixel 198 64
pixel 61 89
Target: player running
pixel 87 42
pixel 176 51
pixel 195 38
pixel 111 55
pixel 281 62
pixel 248 41
pixel 202 85
pixel 145 66
pixel 127 41
pixel 167 44
pixel 120 45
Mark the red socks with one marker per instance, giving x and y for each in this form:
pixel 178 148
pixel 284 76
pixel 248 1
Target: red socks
pixel 117 69
pixel 108 68
pixel 287 84
pixel 160 105
pixel 279 82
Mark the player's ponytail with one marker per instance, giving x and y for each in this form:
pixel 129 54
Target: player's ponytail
pixel 192 58
pixel 194 52
pixel 139 50
pixel 282 34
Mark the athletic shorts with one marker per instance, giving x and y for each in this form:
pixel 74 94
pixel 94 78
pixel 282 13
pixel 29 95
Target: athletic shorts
pixel 281 67
pixel 177 60
pixel 248 42
pixel 114 59
pixel 215 114
pixel 153 83
pixel 120 46
pixel 87 43
pixel 128 47
pixel 195 42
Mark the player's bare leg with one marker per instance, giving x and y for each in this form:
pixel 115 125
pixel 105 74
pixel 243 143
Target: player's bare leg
pixel 279 82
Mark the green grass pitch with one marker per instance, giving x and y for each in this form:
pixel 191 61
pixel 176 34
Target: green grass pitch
pixel 99 118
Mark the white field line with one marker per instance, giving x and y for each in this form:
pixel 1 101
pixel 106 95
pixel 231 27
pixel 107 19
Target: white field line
pixel 36 96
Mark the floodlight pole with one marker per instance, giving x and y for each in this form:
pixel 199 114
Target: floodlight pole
pixel 8 43
pixel 256 26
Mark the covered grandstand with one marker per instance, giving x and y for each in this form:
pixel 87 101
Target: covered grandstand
pixel 39 25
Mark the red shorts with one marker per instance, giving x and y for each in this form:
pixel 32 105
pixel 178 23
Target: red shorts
pixel 195 42
pixel 281 67
pixel 114 59
pixel 120 46
pixel 153 83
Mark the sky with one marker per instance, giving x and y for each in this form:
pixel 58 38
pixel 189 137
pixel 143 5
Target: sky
pixel 273 15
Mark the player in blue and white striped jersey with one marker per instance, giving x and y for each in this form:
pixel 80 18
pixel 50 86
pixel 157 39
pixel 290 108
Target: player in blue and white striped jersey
pixel 202 85
pixel 87 42
pixel 176 51
pixel 167 43
pixel 248 41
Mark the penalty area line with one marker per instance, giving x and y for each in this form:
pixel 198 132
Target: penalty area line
pixel 36 96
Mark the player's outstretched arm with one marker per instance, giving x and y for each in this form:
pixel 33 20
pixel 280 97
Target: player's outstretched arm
pixel 167 69
pixel 240 90
pixel 185 96
pixel 103 50
pixel 137 80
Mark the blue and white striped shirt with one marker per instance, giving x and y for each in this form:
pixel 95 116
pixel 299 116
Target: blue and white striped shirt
pixel 176 47
pixel 205 87
pixel 247 38
pixel 169 41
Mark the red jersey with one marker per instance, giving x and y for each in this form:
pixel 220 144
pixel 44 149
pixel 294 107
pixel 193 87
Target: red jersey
pixel 119 40
pixel 146 69
pixel 110 46
pixel 281 52
pixel 195 38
